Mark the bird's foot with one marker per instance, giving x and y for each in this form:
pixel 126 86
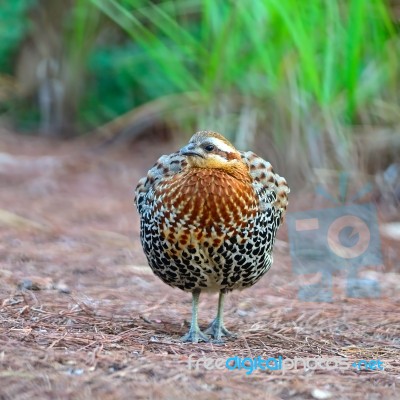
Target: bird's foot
pixel 217 330
pixel 194 336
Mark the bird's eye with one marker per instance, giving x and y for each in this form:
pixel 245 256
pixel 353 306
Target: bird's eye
pixel 209 147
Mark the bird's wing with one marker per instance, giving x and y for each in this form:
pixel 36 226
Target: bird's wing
pixel 165 166
pixel 271 188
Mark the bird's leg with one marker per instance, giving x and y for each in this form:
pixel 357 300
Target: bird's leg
pixel 195 334
pixel 217 328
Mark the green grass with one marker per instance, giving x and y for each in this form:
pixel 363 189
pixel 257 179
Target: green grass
pixel 287 69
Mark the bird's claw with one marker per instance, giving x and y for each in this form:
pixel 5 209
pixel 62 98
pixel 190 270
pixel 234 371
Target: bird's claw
pixel 217 330
pixel 194 336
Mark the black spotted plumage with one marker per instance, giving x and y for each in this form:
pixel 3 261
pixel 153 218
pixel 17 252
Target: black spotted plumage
pixel 209 220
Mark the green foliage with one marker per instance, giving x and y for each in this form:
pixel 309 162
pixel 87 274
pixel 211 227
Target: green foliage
pixel 305 68
pixel 254 47
pixel 13 28
pixel 123 77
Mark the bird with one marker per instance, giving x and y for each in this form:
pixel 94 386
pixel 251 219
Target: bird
pixel 209 215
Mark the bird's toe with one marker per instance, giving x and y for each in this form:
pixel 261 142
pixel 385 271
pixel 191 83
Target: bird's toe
pixel 217 330
pixel 195 336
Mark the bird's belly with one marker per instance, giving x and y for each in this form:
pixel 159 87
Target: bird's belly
pixel 212 257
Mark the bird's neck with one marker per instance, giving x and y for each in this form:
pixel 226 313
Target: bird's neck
pixel 236 169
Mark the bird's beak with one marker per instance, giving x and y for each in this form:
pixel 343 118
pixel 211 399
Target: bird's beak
pixel 190 150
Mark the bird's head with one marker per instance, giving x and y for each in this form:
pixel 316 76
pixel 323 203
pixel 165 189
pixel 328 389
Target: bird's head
pixel 208 149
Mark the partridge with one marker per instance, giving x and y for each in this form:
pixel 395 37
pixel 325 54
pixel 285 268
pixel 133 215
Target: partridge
pixel 209 215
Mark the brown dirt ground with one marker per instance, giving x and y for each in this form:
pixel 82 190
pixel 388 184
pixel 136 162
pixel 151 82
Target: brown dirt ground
pixel 82 316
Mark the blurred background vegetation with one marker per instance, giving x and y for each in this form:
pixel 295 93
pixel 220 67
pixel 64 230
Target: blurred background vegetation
pixel 312 84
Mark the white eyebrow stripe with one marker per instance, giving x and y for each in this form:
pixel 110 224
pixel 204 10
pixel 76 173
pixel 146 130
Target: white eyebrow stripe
pixel 221 145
